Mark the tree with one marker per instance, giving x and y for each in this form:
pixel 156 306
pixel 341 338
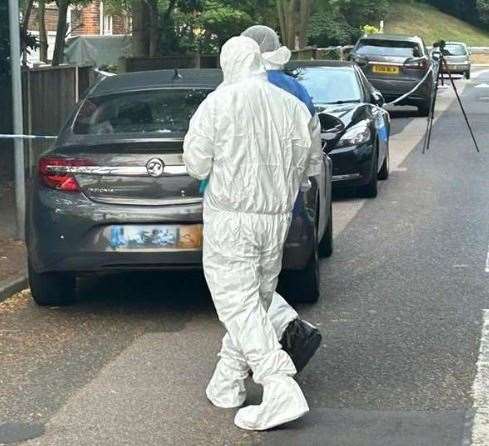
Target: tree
pixel 43 38
pixel 62 28
pixel 4 41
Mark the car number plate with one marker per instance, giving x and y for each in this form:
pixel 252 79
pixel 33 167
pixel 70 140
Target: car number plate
pixel 385 69
pixel 155 238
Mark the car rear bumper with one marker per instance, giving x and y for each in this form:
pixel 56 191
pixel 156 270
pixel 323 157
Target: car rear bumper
pixel 457 68
pixel 68 232
pixel 352 166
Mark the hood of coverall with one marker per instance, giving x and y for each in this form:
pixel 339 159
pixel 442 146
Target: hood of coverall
pixel 241 59
pixel 274 55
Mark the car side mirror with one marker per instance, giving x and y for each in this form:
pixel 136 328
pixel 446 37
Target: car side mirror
pixel 332 128
pixel 377 98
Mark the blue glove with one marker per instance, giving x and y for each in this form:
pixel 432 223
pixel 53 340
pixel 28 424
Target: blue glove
pixel 203 186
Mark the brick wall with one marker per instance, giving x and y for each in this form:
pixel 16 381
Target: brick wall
pixel 85 21
pixel 89 20
pixel 51 18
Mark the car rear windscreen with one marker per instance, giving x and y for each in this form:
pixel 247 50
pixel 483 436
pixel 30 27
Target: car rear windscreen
pixel 330 85
pixel 388 48
pixel 455 49
pixel 162 111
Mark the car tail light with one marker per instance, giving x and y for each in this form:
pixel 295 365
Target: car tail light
pixel 417 64
pixel 57 172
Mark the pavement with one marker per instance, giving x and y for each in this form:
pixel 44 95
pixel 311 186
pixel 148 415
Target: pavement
pixel 401 313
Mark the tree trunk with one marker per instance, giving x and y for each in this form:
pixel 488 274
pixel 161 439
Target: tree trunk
pixel 61 28
pixel 305 14
pixel 27 16
pixel 281 9
pixel 155 29
pixel 291 19
pixel 140 25
pixel 43 38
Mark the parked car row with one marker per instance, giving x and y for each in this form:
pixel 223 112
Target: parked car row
pixel 114 194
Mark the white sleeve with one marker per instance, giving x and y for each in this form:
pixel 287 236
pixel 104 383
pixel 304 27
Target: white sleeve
pixel 316 158
pixel 198 146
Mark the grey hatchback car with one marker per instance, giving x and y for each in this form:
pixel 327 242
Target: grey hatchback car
pixel 114 194
pixel 394 65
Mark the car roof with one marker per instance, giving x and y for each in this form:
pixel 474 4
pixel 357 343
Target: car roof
pixel 319 63
pixel 208 78
pixel 395 37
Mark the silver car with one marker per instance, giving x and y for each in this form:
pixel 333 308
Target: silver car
pixel 457 56
pixel 114 195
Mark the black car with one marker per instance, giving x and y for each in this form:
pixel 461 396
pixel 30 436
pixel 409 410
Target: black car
pixel 395 64
pixel 113 193
pixel 361 156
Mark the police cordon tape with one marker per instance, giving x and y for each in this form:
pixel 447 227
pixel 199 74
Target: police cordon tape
pixel 7 136
pixel 409 93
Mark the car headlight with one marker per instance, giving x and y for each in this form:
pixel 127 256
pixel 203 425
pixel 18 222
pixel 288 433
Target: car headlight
pixel 358 134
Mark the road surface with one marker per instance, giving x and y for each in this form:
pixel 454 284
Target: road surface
pixel 405 354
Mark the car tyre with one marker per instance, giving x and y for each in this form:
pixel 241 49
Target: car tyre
pixel 370 190
pixel 467 75
pixel 303 286
pixel 384 170
pixel 326 244
pixel 52 288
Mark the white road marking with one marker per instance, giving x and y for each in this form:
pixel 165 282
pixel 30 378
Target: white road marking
pixel 480 389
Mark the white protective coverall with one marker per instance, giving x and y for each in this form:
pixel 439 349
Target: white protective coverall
pixel 253 141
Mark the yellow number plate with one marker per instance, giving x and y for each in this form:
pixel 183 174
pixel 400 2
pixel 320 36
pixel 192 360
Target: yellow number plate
pixel 385 69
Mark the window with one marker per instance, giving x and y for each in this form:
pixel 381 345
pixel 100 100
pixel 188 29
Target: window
pixel 392 48
pixel 149 112
pixel 330 85
pixel 107 31
pixel 455 49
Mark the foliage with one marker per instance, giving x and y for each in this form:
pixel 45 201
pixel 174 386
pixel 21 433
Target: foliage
pixel 4 40
pixel 329 29
pixel 340 22
pixel 370 29
pixel 432 25
pixel 473 11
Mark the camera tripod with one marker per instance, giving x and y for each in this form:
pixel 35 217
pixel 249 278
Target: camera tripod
pixel 443 67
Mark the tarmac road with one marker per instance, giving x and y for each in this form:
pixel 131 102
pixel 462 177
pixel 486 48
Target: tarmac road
pixel 400 312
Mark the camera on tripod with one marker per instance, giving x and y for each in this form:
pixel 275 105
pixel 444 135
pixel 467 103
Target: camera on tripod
pixel 438 55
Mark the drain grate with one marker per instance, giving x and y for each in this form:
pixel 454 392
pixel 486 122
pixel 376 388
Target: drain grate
pixel 14 432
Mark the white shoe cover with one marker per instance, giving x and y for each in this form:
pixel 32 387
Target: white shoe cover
pixel 226 388
pixel 283 401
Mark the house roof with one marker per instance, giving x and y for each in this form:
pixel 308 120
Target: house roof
pixel 150 80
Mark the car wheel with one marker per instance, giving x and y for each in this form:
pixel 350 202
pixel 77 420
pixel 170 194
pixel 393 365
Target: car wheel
pixel 52 288
pixel 326 244
pixel 370 190
pixel 467 75
pixel 384 170
pixel 303 285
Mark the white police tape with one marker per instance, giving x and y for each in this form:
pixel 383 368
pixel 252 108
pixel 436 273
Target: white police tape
pixel 409 93
pixel 7 136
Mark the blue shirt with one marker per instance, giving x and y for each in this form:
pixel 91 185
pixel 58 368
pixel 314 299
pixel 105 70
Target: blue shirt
pixel 292 86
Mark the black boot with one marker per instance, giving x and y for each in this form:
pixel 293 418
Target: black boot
pixel 300 340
